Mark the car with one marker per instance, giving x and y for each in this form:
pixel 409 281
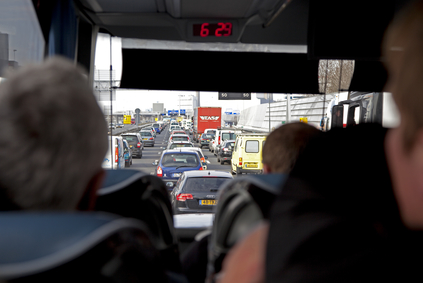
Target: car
pixel 178 132
pixel 174 127
pixel 201 154
pixel 135 143
pixel 205 140
pixel 153 131
pixel 127 153
pixel 222 135
pixel 147 137
pixel 179 137
pixel 197 191
pixel 178 144
pixel 157 127
pixel 174 162
pixel 225 151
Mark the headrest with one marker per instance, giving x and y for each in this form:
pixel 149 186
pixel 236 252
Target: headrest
pixel 48 245
pixel 118 179
pixel 131 193
pixel 243 203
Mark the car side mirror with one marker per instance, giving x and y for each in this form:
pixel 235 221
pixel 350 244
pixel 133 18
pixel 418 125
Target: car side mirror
pixel 206 157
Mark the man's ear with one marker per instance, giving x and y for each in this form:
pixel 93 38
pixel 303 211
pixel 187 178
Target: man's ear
pixel 90 196
pixel 266 169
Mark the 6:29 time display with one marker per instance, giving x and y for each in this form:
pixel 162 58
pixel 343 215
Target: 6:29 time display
pixel 215 29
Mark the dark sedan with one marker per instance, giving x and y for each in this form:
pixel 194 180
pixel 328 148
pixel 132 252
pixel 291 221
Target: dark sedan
pixel 225 151
pixel 197 191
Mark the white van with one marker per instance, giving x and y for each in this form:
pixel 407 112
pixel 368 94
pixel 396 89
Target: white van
pixel 118 158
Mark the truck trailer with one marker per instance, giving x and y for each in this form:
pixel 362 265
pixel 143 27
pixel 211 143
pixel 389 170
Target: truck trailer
pixel 206 118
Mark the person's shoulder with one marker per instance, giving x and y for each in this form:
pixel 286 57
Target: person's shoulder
pixel 342 155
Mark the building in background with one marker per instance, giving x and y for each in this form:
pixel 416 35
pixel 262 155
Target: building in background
pixel 158 107
pixel 187 102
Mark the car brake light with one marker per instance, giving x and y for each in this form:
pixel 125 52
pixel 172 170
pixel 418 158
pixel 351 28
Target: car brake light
pixel 159 172
pixel 240 161
pixel 184 197
pixel 151 139
pixel 201 168
pixel 138 144
pixel 218 142
pixel 116 154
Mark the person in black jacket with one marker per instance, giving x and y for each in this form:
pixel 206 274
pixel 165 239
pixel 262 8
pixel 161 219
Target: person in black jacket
pixel 352 208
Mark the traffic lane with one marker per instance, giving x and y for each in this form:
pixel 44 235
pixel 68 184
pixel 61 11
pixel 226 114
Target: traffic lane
pixel 149 155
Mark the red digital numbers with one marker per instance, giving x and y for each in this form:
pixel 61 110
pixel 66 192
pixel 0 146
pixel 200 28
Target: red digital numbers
pixel 207 29
pixel 204 30
pixel 225 29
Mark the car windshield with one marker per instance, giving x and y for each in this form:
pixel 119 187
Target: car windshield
pixel 180 138
pixel 204 184
pixel 206 136
pixel 180 159
pixel 176 145
pixel 130 138
pixel 156 125
pixel 232 144
pixel 228 136
pixel 146 134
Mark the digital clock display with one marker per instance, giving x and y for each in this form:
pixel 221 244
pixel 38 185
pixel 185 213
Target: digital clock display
pixel 215 29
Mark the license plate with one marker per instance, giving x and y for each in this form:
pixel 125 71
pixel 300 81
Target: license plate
pixel 208 202
pixel 176 175
pixel 251 165
pixel 144 139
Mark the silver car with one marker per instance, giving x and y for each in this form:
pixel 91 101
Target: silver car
pixel 147 137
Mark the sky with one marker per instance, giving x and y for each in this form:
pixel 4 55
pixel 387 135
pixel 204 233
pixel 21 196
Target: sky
pixel 144 99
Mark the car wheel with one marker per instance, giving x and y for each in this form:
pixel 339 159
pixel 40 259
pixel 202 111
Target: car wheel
pixel 140 155
pixel 218 159
pixel 222 162
pixel 126 164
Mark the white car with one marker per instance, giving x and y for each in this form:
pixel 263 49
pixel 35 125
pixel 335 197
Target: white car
pixel 201 154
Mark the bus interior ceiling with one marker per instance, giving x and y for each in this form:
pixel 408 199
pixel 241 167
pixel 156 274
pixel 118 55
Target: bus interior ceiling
pixel 308 30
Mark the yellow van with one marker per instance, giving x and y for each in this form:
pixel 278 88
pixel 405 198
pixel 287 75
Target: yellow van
pixel 247 154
